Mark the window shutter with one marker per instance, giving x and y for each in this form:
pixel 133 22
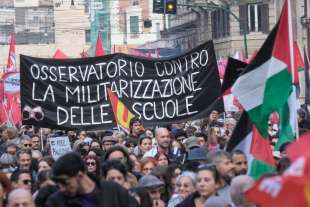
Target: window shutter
pixel 243 16
pixel 265 18
pixel 220 22
pixel 213 22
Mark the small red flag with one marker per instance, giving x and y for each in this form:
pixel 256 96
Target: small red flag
pixel 59 55
pixel 11 63
pixel 83 55
pixel 99 49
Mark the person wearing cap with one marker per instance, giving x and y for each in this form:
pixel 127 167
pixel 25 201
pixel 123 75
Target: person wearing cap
pixel 7 163
pixel 198 155
pixel 153 186
pixel 191 143
pixel 108 142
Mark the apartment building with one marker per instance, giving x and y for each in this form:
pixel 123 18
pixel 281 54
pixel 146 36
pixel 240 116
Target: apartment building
pixel 43 26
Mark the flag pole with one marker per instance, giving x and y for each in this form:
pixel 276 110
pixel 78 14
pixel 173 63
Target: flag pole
pixel 41 137
pixel 291 39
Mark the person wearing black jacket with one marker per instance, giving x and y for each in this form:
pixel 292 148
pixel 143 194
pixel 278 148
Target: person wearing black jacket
pixel 77 189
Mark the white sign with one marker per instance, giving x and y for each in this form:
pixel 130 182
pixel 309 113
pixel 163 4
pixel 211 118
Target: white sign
pixel 12 83
pixel 59 146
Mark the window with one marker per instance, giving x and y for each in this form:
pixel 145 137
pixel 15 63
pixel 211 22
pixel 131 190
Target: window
pixel 101 21
pixel 135 2
pixel 134 24
pixel 220 24
pixel 87 36
pixel 254 18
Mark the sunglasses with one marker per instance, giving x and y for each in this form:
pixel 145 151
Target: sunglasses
pixel 35 113
pixel 27 145
pixel 27 182
pixel 91 163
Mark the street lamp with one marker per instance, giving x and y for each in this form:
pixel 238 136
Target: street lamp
pixel 212 6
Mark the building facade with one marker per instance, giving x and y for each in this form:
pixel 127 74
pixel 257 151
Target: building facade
pixel 43 26
pixel 133 24
pixel 203 20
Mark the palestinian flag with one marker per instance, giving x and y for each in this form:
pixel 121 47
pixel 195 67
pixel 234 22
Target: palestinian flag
pixel 233 70
pixel 257 149
pixel 307 82
pixel 266 83
pixel 121 113
pixel 299 79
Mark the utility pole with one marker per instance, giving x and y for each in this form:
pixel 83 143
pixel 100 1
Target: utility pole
pixel 164 16
pixel 125 28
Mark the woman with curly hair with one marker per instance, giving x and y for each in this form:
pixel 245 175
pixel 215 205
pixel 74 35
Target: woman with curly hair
pixel 92 164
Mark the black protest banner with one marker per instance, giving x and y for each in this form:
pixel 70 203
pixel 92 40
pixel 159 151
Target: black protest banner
pixel 72 93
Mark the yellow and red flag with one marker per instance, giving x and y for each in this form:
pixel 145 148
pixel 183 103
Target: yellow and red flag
pixel 121 113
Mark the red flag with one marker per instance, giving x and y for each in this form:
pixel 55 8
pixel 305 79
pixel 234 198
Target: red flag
pixel 99 49
pixel 59 55
pixel 14 108
pixel 11 64
pixel 289 190
pixel 252 56
pixel 300 147
pixel 83 54
pixel 150 54
pixel 298 62
pixel 157 53
pixel 121 113
pixel 261 149
pixel 242 55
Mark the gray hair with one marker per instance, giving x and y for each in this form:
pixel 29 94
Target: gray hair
pixel 189 174
pixel 239 185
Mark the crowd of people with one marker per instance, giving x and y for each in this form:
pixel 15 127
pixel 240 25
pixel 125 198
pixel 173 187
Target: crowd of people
pixel 180 165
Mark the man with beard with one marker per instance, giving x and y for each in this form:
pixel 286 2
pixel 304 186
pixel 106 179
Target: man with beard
pixel 240 162
pixel 163 139
pixel 76 188
pixel 223 164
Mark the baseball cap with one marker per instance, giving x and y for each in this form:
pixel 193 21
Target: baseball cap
pixel 191 142
pixel 108 139
pixel 150 181
pixel 197 154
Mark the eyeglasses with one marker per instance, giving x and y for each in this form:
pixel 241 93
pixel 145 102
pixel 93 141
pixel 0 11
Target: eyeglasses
pixel 27 145
pixel 91 163
pixel 27 182
pixel 147 169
